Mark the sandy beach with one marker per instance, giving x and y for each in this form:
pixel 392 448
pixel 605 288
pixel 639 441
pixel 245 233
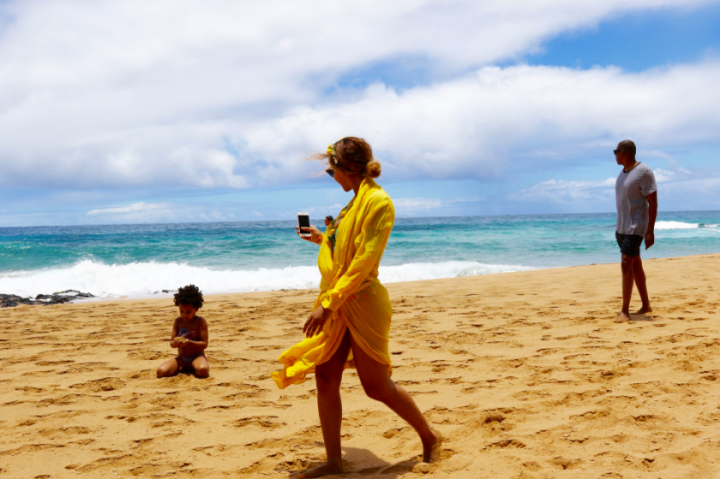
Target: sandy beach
pixel 524 373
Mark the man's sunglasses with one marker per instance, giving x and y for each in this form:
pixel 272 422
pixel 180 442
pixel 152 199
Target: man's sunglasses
pixel 330 172
pixel 617 151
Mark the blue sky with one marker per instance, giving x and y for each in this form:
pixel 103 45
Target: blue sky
pixel 204 112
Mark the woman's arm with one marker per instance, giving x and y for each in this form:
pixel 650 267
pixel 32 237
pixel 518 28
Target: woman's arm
pixel 371 245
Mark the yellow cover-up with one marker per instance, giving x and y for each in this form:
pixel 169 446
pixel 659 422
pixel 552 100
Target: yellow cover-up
pixel 350 288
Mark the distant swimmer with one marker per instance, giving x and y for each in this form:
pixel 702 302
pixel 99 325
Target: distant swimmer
pixel 350 322
pixel 189 335
pixel 637 205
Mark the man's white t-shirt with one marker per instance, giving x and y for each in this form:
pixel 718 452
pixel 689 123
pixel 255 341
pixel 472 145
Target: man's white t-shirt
pixel 631 189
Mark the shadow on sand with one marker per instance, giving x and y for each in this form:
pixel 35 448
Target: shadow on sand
pixel 364 462
pixel 637 318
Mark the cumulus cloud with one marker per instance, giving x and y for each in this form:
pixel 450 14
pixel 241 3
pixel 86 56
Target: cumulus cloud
pixel 473 125
pixel 231 94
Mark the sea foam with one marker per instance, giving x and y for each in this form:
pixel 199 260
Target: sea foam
pixel 680 225
pixel 143 279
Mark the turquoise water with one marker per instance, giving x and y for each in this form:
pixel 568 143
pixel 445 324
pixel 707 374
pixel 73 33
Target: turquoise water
pixel 139 260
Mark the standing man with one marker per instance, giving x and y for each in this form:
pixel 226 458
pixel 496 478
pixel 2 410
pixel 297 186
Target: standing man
pixel 636 198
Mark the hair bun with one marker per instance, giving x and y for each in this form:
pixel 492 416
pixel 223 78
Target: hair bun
pixel 373 169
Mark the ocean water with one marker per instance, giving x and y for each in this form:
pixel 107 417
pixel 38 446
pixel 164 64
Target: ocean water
pixel 143 260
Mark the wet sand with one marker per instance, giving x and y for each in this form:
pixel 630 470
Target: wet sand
pixel 525 374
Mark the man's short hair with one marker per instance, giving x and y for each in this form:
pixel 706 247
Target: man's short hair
pixel 627 146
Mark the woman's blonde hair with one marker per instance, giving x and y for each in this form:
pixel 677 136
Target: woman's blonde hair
pixel 351 155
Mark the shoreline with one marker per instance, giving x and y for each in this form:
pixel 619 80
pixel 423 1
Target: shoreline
pixel 166 295
pixel 525 374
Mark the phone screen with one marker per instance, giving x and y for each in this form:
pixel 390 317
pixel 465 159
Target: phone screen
pixel 304 222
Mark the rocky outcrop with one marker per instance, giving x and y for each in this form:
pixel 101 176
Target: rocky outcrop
pixel 11 300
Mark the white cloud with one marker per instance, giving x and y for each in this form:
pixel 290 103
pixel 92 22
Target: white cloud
pixel 139 213
pixel 414 206
pixel 135 207
pixel 669 159
pixel 501 119
pixel 679 187
pixel 231 94
pixel 143 213
pixel 703 192
pixel 662 176
pixel 418 204
pixel 564 192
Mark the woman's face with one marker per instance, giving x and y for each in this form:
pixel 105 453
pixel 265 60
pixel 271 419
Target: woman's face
pixel 343 179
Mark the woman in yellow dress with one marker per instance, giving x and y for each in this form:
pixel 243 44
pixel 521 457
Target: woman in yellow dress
pixel 350 322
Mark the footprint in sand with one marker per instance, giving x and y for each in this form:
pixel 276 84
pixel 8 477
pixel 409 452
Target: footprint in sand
pixel 265 422
pixel 100 385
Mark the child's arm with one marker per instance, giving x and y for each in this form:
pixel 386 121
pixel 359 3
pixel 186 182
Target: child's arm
pixel 173 343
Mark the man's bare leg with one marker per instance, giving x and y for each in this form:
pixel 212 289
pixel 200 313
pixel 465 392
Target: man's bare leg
pixel 628 280
pixel 640 282
pixel 378 385
pixel 328 377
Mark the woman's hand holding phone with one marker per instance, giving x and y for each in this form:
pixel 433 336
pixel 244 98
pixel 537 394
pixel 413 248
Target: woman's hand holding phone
pixel 315 234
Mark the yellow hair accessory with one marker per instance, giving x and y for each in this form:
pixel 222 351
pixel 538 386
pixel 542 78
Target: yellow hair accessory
pixel 330 150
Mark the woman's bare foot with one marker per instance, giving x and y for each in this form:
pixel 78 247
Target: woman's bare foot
pixel 330 467
pixel 622 318
pixel 645 310
pixel 431 450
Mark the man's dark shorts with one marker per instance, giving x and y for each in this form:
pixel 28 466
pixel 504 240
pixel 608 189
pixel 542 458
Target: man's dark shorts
pixel 629 244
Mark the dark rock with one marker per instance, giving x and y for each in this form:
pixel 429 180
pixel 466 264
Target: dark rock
pixel 11 300
pixel 77 294
pixel 52 298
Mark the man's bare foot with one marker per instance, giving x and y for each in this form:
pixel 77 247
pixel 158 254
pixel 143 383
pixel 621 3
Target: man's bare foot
pixel 431 451
pixel 644 310
pixel 622 318
pixel 334 467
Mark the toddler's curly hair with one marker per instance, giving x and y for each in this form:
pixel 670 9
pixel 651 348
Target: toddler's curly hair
pixel 189 294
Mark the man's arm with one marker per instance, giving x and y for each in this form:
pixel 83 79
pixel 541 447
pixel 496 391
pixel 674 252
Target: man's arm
pixel 653 203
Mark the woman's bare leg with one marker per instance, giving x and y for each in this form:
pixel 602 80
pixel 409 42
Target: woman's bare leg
pixel 168 368
pixel 328 377
pixel 378 385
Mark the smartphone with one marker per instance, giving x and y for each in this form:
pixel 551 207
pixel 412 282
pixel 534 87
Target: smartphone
pixel 304 222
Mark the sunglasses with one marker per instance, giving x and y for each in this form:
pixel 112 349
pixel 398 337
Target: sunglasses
pixel 330 172
pixel 618 151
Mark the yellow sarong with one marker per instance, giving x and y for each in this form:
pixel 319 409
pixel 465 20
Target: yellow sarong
pixel 350 288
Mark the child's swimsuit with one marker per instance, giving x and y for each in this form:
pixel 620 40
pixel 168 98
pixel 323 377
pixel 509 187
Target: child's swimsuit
pixel 185 362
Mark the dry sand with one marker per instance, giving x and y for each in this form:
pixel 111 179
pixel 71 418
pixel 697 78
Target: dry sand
pixel 525 374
